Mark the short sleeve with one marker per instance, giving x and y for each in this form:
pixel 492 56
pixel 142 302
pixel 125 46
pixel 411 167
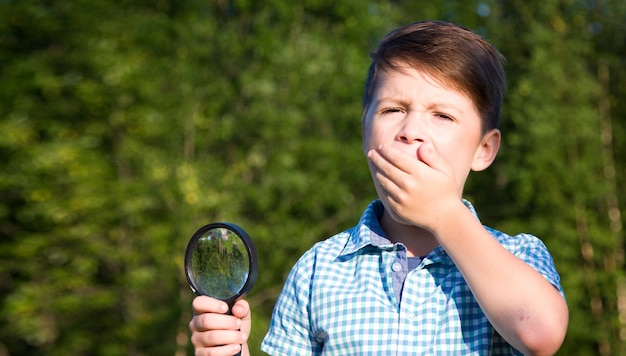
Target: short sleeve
pixel 289 332
pixel 534 252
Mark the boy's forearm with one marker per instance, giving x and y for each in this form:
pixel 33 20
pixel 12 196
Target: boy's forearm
pixel 518 301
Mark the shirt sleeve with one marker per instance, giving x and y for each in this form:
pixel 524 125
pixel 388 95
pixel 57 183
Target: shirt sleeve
pixel 535 253
pixel 290 331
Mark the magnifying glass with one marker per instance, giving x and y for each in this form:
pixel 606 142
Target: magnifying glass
pixel 221 262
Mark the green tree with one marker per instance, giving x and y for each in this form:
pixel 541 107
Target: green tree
pixel 87 264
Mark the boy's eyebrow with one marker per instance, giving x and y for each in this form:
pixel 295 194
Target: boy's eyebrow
pixel 441 105
pixel 394 99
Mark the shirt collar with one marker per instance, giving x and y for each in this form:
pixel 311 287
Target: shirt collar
pixel 368 232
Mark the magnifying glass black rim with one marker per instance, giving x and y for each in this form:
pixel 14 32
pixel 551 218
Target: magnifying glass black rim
pixel 250 249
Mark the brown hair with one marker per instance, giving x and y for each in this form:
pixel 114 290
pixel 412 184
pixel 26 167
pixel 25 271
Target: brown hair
pixel 449 53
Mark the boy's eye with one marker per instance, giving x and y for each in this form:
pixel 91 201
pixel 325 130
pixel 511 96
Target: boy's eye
pixel 444 116
pixel 391 110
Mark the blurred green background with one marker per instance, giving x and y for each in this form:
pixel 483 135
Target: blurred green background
pixel 126 125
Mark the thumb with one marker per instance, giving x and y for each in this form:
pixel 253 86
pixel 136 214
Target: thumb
pixel 427 154
pixel 241 309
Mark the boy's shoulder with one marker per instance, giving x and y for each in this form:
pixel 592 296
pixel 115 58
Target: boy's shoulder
pixel 330 248
pixel 512 243
pixel 351 239
pixel 516 243
pixel 532 251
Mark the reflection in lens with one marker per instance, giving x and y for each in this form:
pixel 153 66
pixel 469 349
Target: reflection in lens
pixel 220 263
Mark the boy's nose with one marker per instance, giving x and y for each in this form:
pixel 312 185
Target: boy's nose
pixel 412 130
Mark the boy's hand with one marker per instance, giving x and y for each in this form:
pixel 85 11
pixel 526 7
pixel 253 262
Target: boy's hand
pixel 419 190
pixel 214 332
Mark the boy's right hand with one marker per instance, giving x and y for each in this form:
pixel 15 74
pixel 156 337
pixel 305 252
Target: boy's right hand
pixel 215 332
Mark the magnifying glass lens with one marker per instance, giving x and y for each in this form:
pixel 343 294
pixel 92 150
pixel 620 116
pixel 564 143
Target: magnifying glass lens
pixel 220 263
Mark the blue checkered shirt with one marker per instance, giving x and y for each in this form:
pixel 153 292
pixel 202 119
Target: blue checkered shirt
pixel 341 299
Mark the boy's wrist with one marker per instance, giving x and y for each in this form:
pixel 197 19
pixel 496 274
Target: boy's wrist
pixel 448 216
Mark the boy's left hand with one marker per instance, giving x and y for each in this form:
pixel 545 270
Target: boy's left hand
pixel 418 189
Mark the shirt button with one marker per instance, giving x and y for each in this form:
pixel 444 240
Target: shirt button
pixel 396 267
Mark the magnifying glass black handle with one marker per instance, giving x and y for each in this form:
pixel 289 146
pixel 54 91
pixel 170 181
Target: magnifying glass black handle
pixel 229 312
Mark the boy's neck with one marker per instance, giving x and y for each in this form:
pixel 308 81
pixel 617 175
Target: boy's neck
pixel 418 241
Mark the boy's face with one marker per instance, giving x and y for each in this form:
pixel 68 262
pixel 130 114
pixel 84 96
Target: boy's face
pixel 410 109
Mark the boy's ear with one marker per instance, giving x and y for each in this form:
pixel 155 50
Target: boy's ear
pixel 487 150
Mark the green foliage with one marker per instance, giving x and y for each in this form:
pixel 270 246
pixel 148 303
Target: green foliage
pixel 127 125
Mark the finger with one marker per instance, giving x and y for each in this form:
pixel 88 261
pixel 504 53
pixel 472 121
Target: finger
pixel 429 155
pixel 212 321
pixel 391 168
pixel 204 304
pixel 225 350
pixel 391 158
pixel 379 167
pixel 241 309
pixel 219 338
pixel 384 169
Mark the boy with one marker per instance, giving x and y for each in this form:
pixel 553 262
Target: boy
pixel 418 274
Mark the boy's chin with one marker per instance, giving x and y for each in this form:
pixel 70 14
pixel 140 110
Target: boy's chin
pixel 391 214
pixel 399 220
